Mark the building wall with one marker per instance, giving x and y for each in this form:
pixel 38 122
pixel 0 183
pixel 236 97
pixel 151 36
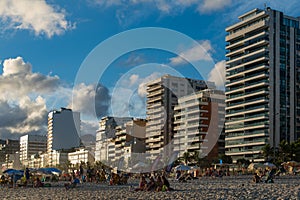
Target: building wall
pixel 63 130
pixel 82 155
pixel 30 145
pixel 105 133
pixel 199 121
pixel 162 96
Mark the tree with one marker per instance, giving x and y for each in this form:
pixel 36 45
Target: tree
pixel 195 158
pixel 284 152
pixel 225 158
pixel 186 157
pixel 243 162
pixel 267 151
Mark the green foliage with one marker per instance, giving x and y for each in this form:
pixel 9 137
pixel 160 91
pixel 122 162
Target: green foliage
pixel 285 152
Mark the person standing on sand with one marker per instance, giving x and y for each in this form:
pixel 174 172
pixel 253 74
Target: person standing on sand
pixel 27 175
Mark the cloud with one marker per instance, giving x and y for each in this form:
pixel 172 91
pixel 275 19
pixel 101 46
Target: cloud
pixel 36 16
pixel 133 79
pixel 131 11
pixel 213 5
pixel 89 127
pixel 26 98
pixel 23 107
pixel 133 60
pixel 23 118
pixel 90 98
pixel 217 74
pixel 129 95
pixel 201 51
pixel 18 80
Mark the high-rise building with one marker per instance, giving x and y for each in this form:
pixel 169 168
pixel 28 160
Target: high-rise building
pixel 162 97
pixel 262 82
pixel 63 130
pixel 105 133
pixel 31 145
pixel 199 122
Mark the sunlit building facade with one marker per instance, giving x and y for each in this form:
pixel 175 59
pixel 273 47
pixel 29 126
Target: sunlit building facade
pixel 262 82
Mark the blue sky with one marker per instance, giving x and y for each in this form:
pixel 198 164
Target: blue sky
pixel 46 44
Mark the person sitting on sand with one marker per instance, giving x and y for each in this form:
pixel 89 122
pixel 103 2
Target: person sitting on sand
pixel 142 184
pixel 159 184
pixel 38 183
pixel 151 186
pixel 256 178
pixel 166 184
pixel 73 184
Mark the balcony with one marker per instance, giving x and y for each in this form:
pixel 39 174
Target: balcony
pixel 242 32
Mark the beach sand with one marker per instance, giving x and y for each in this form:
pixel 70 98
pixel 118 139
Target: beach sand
pixel 234 187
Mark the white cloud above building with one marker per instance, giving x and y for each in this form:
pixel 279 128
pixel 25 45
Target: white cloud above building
pixel 37 16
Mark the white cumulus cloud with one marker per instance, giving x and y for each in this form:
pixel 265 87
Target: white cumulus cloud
pixel 201 51
pixel 213 5
pixel 90 100
pixel 217 74
pixel 34 15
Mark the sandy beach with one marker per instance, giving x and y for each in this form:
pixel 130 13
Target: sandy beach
pixel 234 187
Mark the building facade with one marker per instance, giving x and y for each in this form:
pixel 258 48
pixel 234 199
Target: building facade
pixel 199 122
pixel 262 83
pixel 8 147
pixel 81 155
pixel 31 145
pixel 63 130
pixel 104 135
pixel 162 97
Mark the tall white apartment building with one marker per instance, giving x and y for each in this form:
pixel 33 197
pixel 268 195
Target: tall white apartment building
pixel 31 145
pixel 63 131
pixel 162 97
pixel 262 82
pixel 199 122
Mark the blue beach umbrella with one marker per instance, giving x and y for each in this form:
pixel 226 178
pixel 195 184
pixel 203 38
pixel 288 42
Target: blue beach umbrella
pixel 13 172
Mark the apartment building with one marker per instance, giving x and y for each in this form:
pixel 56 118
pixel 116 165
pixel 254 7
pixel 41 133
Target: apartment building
pixel 162 97
pixel 105 133
pixel 199 122
pixel 31 145
pixel 262 82
pixel 63 130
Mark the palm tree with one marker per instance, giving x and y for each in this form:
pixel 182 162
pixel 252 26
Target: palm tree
pixel 196 157
pixel 267 151
pixel 186 157
pixel 284 151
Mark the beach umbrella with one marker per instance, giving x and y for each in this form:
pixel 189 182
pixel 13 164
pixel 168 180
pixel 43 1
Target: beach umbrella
pixel 269 165
pixel 182 168
pixel 13 172
pixel 253 166
pixel 49 170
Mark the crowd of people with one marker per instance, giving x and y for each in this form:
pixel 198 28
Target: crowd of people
pixel 161 183
pixel 266 176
